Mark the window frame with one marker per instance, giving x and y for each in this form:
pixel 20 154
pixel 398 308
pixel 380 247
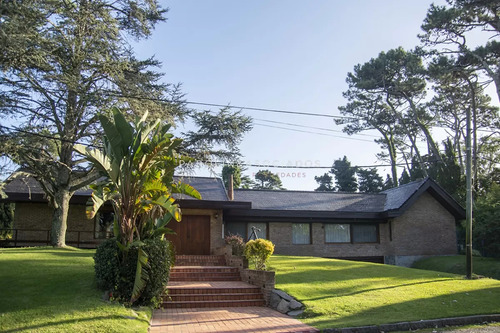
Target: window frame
pixel 350 233
pixel 245 236
pixel 310 233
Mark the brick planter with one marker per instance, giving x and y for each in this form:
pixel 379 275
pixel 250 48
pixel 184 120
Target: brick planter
pixel 265 280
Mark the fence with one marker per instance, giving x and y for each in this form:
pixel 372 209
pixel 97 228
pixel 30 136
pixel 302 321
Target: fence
pixel 38 237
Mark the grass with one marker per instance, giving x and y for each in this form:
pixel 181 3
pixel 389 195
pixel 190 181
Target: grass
pixel 53 290
pixel 489 267
pixel 341 293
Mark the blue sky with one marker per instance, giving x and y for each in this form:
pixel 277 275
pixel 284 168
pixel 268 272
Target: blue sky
pixel 289 55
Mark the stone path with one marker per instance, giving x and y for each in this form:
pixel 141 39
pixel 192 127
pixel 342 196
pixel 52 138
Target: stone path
pixel 224 320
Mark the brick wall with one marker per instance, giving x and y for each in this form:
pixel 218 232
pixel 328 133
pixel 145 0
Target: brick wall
pixel 281 235
pixel 426 228
pixel 39 216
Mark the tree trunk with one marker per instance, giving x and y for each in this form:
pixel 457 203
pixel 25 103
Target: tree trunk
pixel 60 217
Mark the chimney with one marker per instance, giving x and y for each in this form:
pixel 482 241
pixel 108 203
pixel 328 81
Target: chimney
pixel 230 190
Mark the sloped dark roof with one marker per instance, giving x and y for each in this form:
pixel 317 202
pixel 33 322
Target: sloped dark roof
pixel 26 188
pixel 210 188
pixel 389 203
pixel 312 201
pixel 397 196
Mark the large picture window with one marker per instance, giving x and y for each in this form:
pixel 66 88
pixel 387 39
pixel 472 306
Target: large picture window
pixel 260 230
pixel 364 233
pixel 301 233
pixel 337 233
pixel 244 229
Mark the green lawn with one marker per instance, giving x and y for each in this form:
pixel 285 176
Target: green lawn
pixel 489 267
pixel 346 293
pixel 53 290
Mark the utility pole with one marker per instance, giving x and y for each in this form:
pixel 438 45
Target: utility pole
pixel 468 204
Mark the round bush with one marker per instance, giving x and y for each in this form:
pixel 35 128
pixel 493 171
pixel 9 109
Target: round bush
pixel 258 251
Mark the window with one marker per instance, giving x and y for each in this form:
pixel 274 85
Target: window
pixel 337 233
pixel 301 233
pixel 104 225
pixel 260 230
pixel 238 228
pixel 364 233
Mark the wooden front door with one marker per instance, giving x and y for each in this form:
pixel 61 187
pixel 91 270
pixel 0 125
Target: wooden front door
pixel 192 234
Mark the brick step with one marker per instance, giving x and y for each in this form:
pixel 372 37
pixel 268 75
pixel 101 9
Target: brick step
pixel 213 304
pixel 212 297
pixel 203 269
pixel 232 277
pixel 200 260
pixel 210 291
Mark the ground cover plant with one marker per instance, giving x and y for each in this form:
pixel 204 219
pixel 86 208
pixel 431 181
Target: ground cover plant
pixel 53 290
pixel 489 267
pixel 341 293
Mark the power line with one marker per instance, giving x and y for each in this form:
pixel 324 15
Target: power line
pixel 301 113
pixel 217 162
pixel 324 134
pixel 312 127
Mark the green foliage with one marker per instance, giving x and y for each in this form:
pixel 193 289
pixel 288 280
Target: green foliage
pixel 325 183
pixel 217 135
pixel 60 63
pixel 266 180
pixel 237 244
pixel 117 273
pixel 345 179
pixel 486 226
pixel 107 265
pixel 6 219
pixel 229 170
pixel 138 163
pixel 369 180
pixel 259 251
pixel 488 267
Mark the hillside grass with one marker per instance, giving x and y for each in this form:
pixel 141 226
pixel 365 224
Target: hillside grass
pixel 489 267
pixel 341 293
pixel 53 290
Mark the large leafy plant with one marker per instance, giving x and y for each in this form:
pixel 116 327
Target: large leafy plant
pixel 137 165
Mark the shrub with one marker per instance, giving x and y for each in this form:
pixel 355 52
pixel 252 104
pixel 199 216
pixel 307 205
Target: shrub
pixel 117 273
pixel 237 244
pixel 107 265
pixel 258 251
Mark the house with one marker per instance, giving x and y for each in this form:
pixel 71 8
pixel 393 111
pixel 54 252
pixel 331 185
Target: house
pixel 397 226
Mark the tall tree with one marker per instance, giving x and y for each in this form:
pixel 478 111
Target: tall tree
pixel 449 27
pixel 390 88
pixel 63 62
pixel 345 175
pixel 369 180
pixel 266 180
pixel 325 183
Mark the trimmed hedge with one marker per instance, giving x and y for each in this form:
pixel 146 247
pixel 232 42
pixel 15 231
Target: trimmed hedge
pixel 115 271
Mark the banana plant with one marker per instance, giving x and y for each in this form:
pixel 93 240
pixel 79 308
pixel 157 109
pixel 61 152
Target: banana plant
pixel 137 164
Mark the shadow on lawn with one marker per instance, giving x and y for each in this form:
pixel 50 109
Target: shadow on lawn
pixel 443 306
pixel 338 293
pixel 54 324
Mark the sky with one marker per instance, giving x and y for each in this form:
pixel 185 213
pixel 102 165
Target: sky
pixel 286 55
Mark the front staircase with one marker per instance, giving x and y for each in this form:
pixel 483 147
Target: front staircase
pixel 204 281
